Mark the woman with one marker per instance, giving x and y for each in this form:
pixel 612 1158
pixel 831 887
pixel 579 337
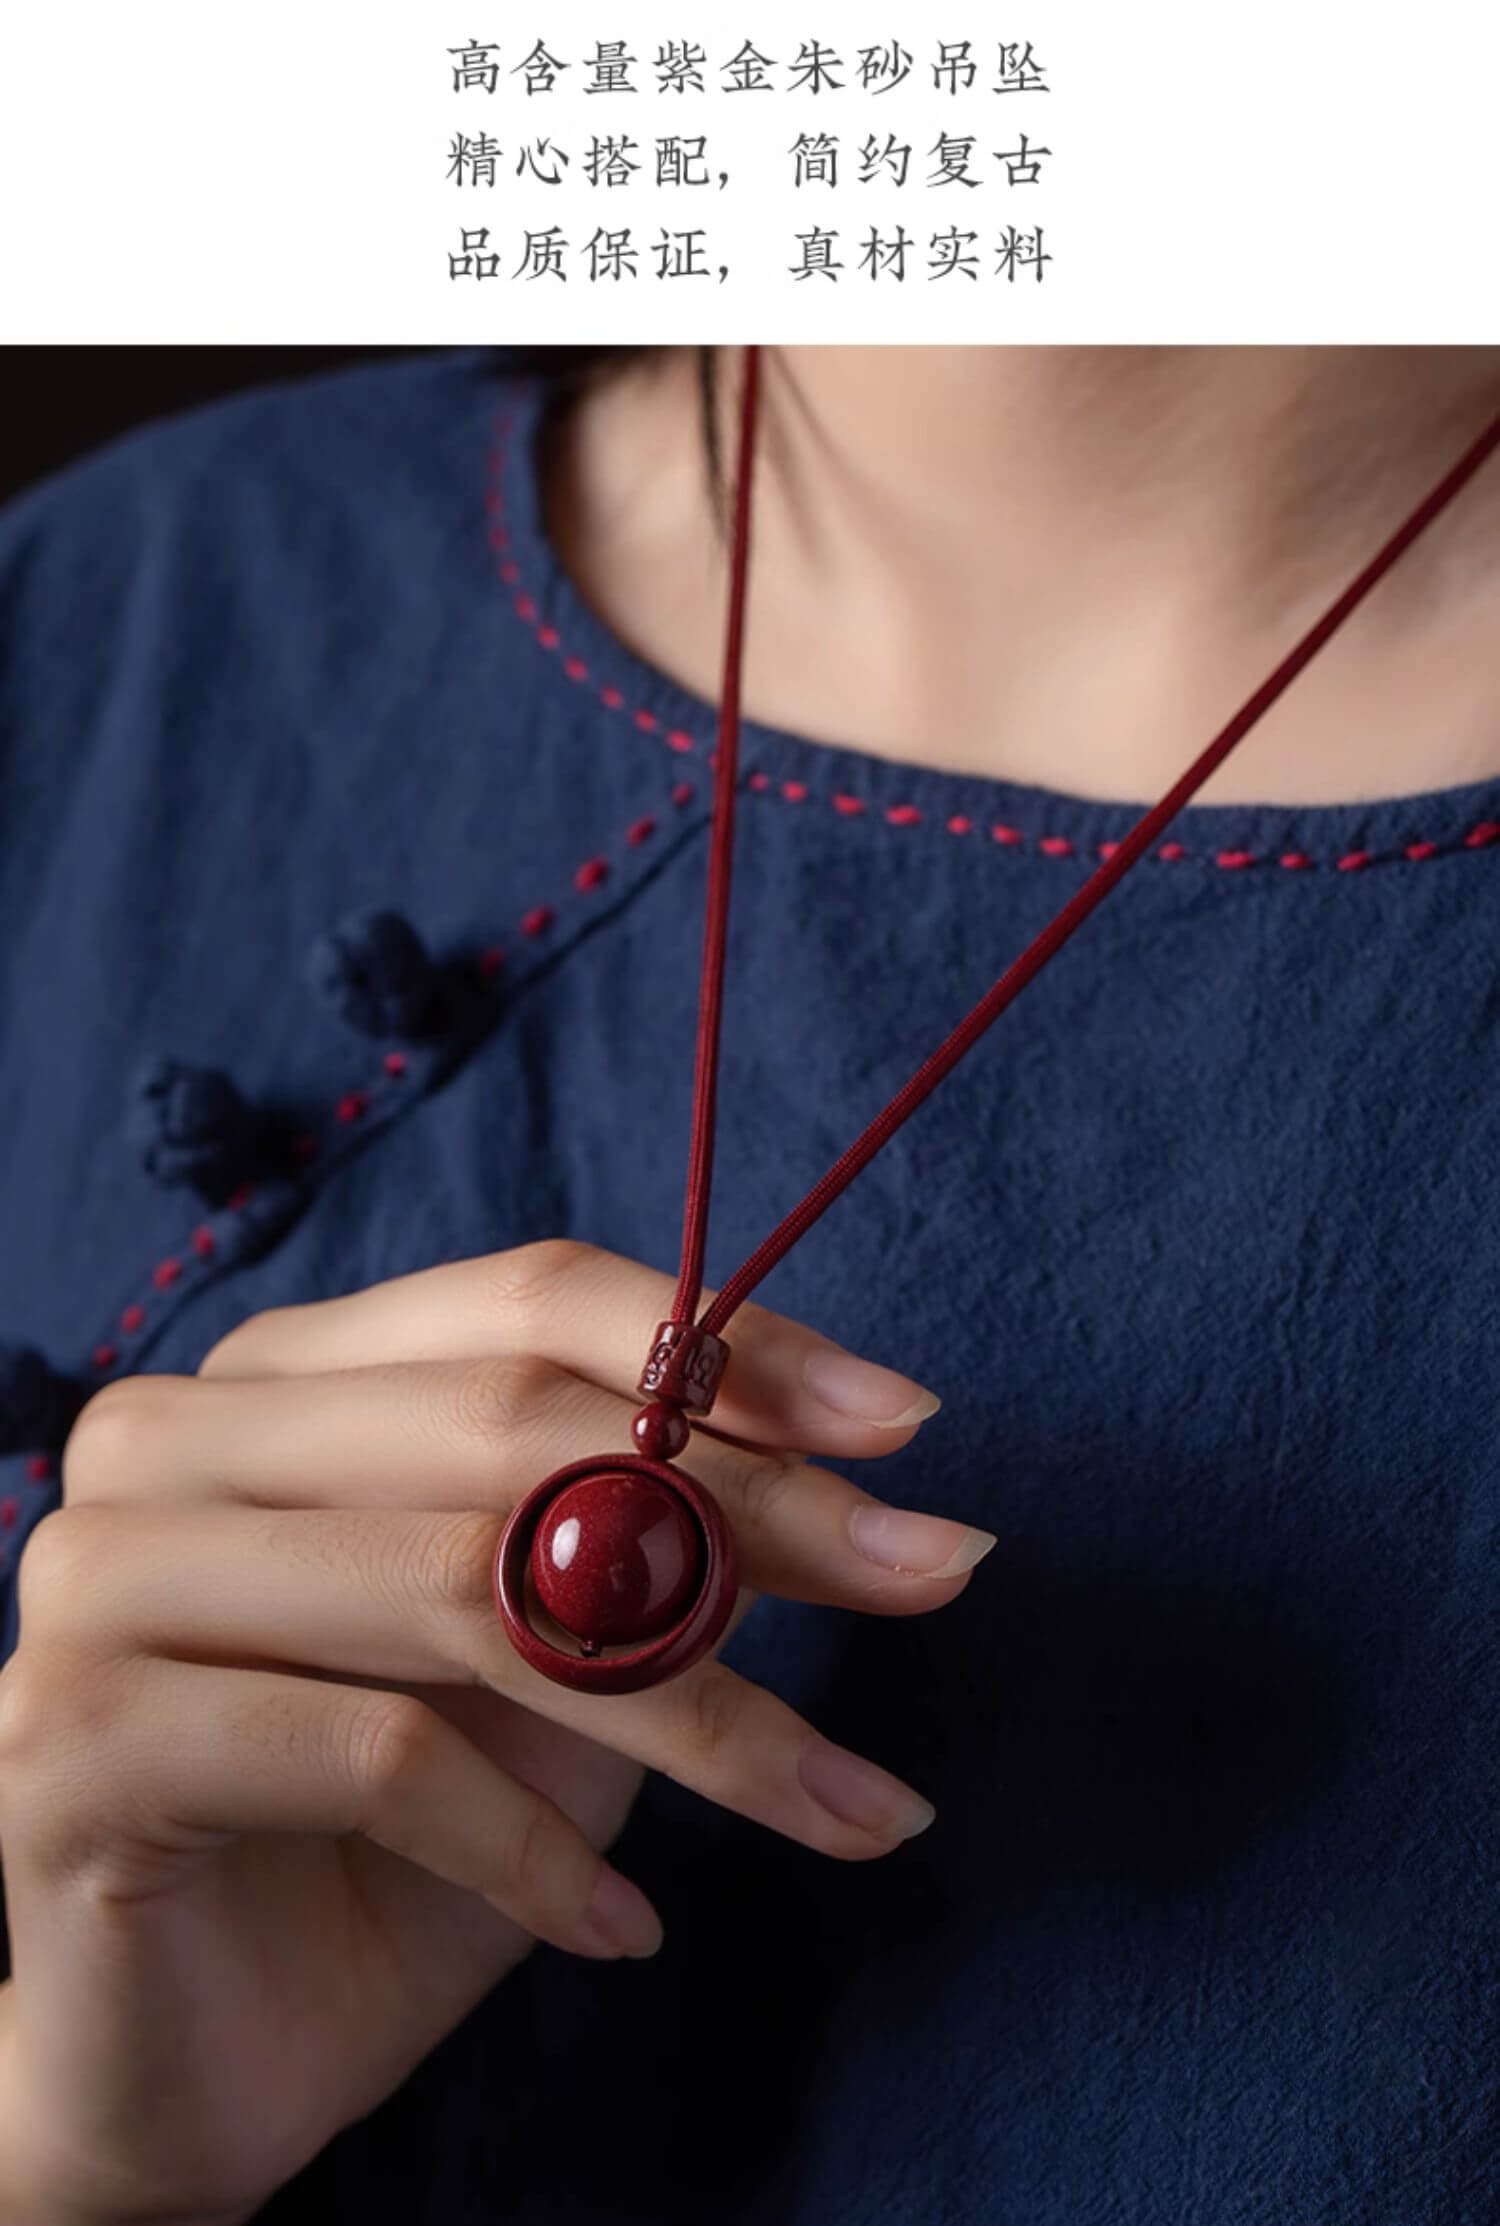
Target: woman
pixel 393 690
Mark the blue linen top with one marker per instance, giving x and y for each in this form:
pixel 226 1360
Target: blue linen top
pixel 1199 1245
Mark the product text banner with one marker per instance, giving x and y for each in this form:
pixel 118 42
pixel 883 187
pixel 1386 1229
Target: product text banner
pixel 917 172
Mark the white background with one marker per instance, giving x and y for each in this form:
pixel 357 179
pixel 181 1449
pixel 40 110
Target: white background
pixel 182 172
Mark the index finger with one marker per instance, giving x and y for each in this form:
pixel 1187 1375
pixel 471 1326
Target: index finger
pixel 592 1312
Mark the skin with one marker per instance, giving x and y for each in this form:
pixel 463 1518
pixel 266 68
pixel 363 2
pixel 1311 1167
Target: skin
pixel 1067 566
pixel 279 1803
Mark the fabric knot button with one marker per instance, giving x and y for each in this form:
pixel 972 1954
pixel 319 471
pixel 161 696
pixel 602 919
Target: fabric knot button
pixel 190 1125
pixel 374 970
pixel 36 1404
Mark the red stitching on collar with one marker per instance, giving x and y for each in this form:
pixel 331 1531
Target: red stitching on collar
pixel 1479 837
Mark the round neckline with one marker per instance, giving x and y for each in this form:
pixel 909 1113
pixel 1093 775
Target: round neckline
pixel 643 707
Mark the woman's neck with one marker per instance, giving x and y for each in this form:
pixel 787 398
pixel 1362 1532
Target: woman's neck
pixel 1068 566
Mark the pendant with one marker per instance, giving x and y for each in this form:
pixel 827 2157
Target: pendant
pixel 625 1553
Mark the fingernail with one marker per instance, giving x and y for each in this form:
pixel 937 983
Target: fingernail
pixel 856 1792
pixel 921 1545
pixel 851 1386
pixel 622 1916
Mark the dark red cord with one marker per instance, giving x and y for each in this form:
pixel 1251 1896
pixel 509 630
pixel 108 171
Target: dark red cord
pixel 1031 961
pixel 716 916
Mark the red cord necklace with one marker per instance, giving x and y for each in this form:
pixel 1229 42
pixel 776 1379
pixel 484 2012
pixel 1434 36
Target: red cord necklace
pixel 626 1552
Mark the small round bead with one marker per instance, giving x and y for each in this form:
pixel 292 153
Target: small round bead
pixel 617 1558
pixel 660 1431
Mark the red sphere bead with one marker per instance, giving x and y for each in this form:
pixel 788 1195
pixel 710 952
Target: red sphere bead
pixel 616 1559
pixel 660 1431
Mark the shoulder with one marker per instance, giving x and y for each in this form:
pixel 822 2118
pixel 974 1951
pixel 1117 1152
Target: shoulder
pixel 201 607
pixel 290 470
pixel 278 652
pixel 286 432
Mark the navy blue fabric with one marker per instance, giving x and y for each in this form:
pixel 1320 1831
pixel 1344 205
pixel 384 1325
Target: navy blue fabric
pixel 1199 1246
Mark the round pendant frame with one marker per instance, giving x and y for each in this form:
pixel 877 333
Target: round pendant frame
pixel 671 1651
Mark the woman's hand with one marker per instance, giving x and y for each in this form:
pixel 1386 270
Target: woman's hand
pixel 278 1801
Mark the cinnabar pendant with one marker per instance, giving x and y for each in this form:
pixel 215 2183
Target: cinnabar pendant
pixel 621 1552
pixel 624 1551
